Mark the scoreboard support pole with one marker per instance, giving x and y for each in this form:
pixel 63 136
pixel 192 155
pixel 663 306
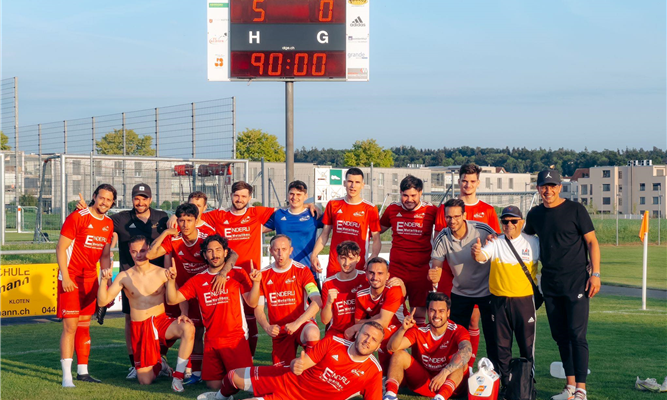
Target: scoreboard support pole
pixel 289 136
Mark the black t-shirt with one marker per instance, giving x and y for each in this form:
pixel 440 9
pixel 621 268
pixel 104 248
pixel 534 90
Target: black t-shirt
pixel 563 250
pixel 126 224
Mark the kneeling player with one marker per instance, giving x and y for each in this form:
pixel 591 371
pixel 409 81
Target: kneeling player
pixel 440 354
pixel 335 369
pixel 226 342
pixel 150 325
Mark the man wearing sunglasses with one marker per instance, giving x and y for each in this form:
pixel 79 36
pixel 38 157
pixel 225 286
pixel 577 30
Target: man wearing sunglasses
pixel 570 256
pixel 512 304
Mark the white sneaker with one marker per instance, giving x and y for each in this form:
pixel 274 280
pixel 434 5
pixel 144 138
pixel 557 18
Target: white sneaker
pixel 177 385
pixel 649 384
pixel 579 395
pixel 166 370
pixel 212 396
pixel 663 387
pixel 132 374
pixel 566 394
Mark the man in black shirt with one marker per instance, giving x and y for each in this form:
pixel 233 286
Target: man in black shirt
pixel 140 220
pixel 570 256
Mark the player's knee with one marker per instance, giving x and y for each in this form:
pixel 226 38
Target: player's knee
pixel 69 326
pixel 312 333
pixel 401 357
pixel 145 378
pixel 188 331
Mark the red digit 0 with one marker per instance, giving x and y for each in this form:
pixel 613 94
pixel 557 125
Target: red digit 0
pixel 329 12
pixel 280 63
pixel 302 72
pixel 257 60
pixel 322 56
pixel 256 8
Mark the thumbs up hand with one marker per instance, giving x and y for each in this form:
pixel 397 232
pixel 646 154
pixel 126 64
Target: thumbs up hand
pixel 476 250
pixel 298 365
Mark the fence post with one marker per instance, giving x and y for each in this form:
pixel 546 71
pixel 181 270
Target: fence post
pixel 263 187
pixel 157 154
pixel 234 128
pixel 371 181
pixel 16 152
pixel 2 202
pixel 194 152
pixel 63 189
pixel 39 152
pixel 124 155
pixel 92 161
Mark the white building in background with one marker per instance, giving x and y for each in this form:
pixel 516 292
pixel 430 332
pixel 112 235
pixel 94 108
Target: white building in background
pixel 492 180
pixel 637 187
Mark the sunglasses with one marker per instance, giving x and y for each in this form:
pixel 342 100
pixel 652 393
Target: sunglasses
pixel 508 221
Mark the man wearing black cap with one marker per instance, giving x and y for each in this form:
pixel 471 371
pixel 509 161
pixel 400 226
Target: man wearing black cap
pixel 570 256
pixel 140 220
pixel 512 303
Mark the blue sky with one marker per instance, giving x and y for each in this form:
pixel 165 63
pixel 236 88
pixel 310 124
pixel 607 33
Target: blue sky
pixel 494 73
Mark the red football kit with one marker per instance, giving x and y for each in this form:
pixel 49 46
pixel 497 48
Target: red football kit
pixel 335 376
pixel 343 307
pixel 189 262
pixel 411 248
pixel 431 354
pixel 226 341
pixel 244 232
pixel 349 222
pixel 391 299
pixel 284 293
pixel 480 211
pixel 89 236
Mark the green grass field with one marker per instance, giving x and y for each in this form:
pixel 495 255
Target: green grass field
pixel 624 342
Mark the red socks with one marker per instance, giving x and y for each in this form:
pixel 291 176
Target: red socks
pixel 82 342
pixel 447 388
pixel 196 361
pixel 391 385
pixel 474 341
pixel 228 387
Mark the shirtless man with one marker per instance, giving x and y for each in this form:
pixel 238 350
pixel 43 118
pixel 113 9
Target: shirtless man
pixel 144 286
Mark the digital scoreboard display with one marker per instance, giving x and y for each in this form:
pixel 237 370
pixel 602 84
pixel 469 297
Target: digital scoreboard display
pixel 288 40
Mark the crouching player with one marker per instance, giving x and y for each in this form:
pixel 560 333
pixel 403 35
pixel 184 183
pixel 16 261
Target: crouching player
pixel 440 354
pixel 150 325
pixel 335 369
pixel 226 342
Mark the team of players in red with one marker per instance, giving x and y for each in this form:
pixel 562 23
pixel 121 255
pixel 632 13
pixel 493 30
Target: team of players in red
pixel 363 308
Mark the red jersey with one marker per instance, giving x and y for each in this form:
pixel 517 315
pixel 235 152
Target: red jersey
pixel 337 376
pixel 222 313
pixel 343 307
pixel 434 353
pixel 244 232
pixel 188 258
pixel 480 211
pixel 89 236
pixel 349 222
pixel 286 292
pixel 391 299
pixel 411 236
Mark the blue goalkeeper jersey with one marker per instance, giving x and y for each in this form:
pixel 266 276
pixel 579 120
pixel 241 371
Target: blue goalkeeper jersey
pixel 301 228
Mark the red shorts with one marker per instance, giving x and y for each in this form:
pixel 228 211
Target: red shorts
pixel 81 301
pixel 418 379
pixel 147 336
pixel 416 283
pixel 224 355
pixel 285 345
pixel 275 383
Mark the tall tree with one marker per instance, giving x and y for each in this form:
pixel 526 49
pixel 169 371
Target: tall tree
pixel 112 143
pixel 366 151
pixel 253 144
pixel 4 140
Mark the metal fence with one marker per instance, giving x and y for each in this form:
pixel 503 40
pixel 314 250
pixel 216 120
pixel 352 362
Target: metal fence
pixel 200 132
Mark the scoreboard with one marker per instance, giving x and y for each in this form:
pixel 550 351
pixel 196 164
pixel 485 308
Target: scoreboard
pixel 288 40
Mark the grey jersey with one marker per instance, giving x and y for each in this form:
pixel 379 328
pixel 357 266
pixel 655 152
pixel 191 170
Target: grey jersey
pixel 471 279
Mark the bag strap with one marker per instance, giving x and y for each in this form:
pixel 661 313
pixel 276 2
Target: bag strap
pixel 523 266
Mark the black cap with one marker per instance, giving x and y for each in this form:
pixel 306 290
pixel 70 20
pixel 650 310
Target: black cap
pixel 141 189
pixel 548 177
pixel 511 211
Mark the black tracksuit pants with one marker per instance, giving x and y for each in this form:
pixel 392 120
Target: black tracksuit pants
pixel 461 312
pixel 568 320
pixel 513 317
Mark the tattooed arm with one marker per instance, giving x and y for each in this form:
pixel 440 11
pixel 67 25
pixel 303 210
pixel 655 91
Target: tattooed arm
pixel 456 366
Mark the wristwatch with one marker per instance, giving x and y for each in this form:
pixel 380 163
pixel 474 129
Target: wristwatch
pixel 596 274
